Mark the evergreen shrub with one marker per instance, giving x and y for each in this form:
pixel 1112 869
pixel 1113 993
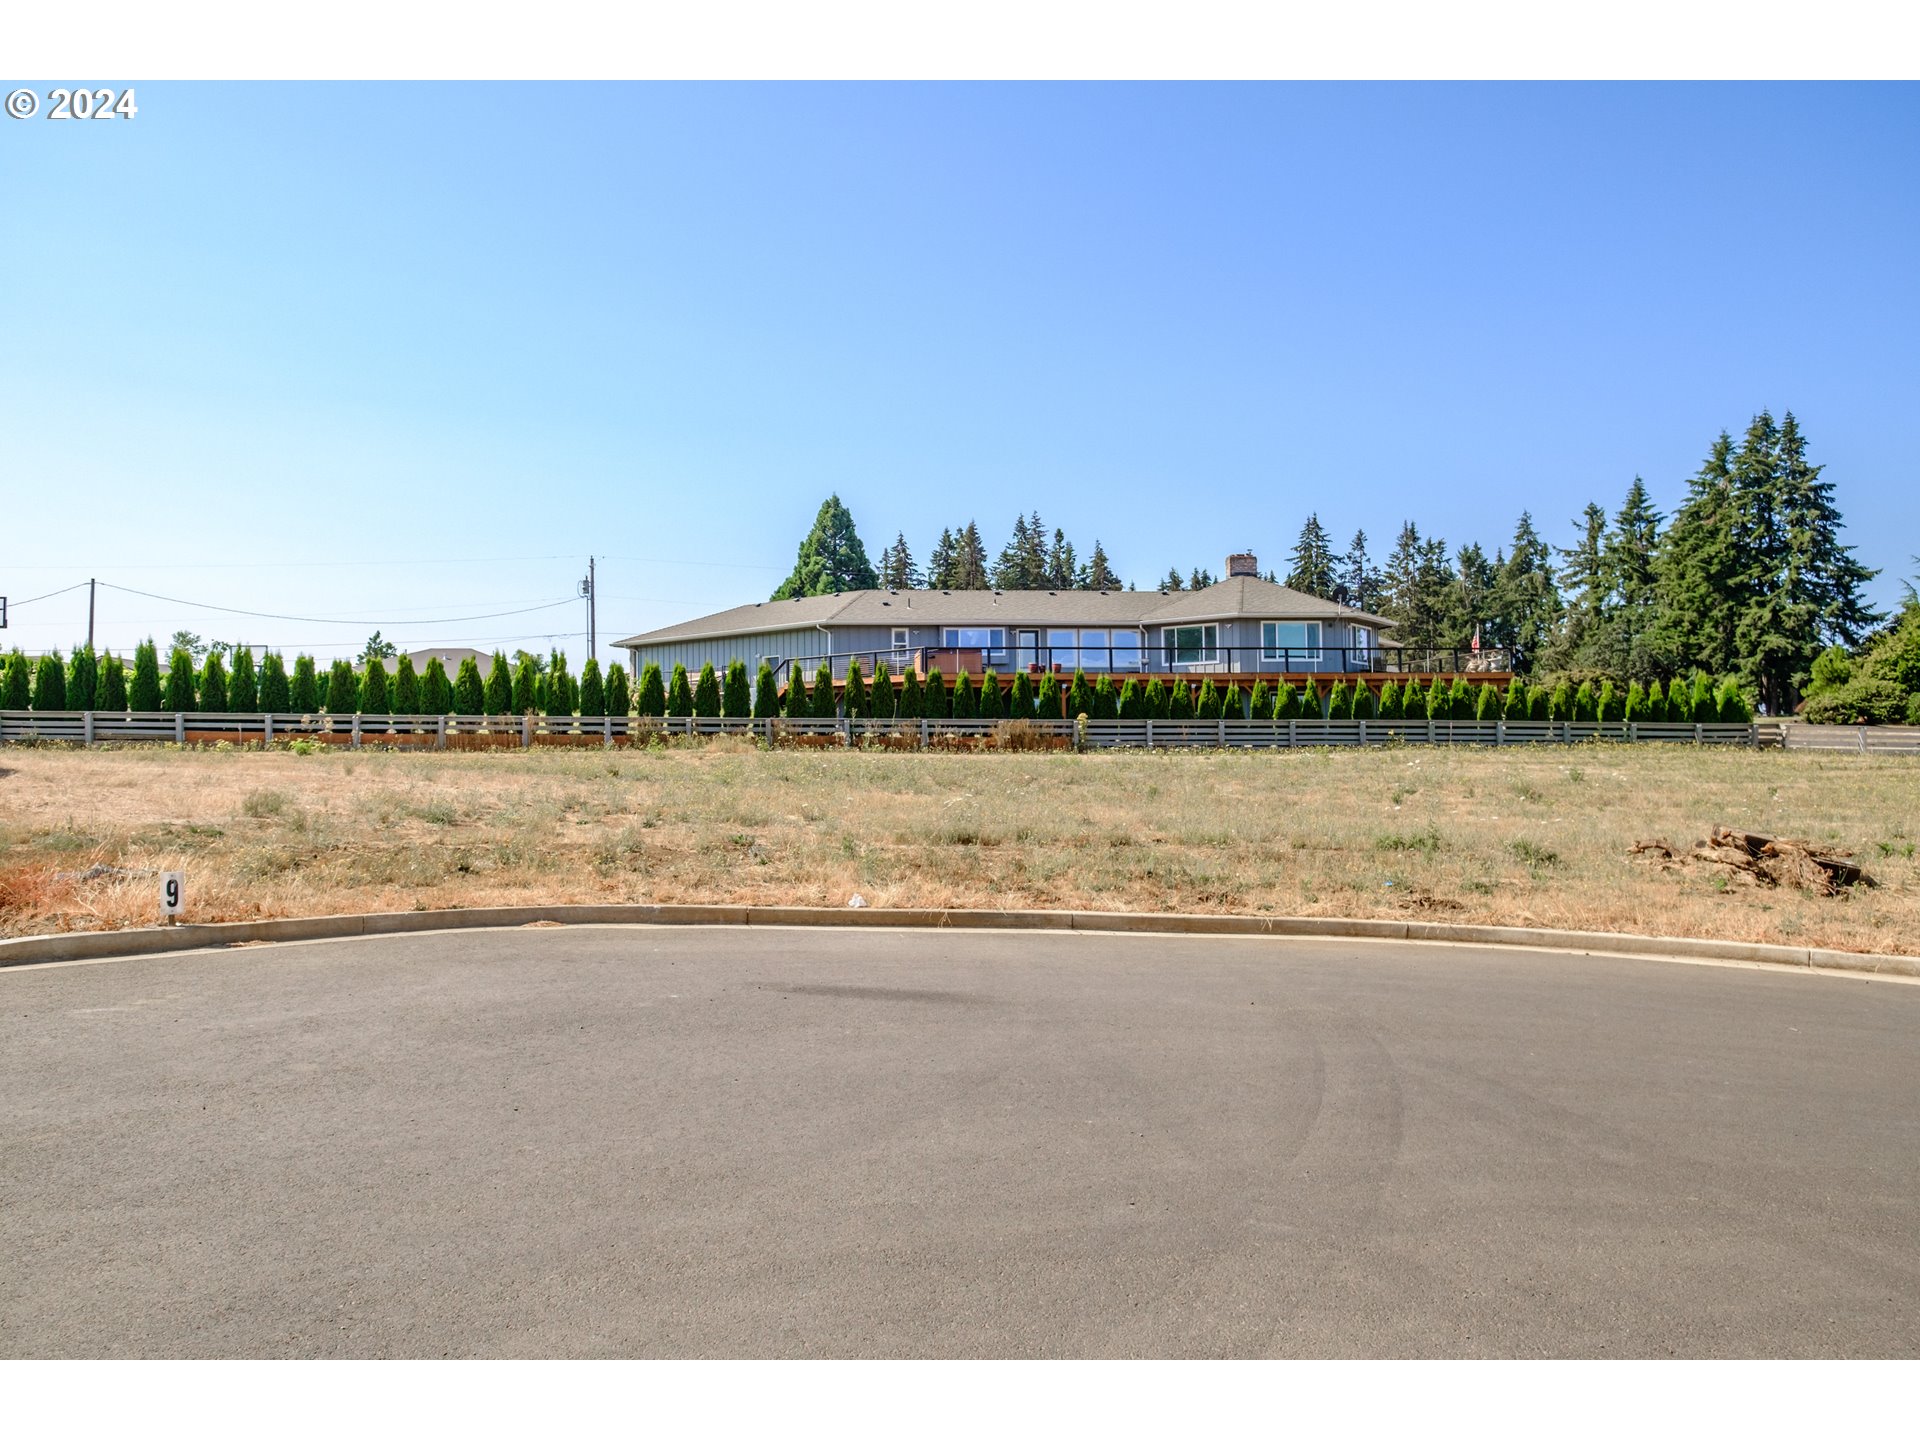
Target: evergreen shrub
pixel 1260 706
pixel 1180 707
pixel 406 685
pixel 375 695
pixel 1132 704
pixel 143 693
pixel 992 702
pixel 179 692
pixel 1388 706
pixel 963 696
pixel 935 704
pixel 1049 704
pixel 913 700
pixel 213 685
pixel 854 696
pixel 1156 702
pixel 650 699
pixel 1286 703
pixel 825 703
pixel 1340 701
pixel 679 693
pixel 706 693
pixel 113 685
pixel 497 697
pixel 50 682
pixel 276 696
pixel 303 691
pixel 16 684
pixel 83 677
pixel 766 694
pixel 593 689
pixel 619 697
pixel 1020 697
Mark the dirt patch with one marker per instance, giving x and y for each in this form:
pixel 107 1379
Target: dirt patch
pixel 1765 860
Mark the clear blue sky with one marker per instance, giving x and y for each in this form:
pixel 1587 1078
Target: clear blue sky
pixel 276 328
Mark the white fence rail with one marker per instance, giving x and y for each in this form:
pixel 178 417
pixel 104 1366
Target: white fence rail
pixel 460 732
pixel 1860 739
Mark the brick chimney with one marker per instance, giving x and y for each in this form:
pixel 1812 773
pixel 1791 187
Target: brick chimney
pixel 1243 565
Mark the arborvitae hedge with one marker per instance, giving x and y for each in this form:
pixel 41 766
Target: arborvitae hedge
pixel 542 692
pixel 1560 703
pixel 498 694
pixel 1679 701
pixel 825 703
pixel 1261 705
pixel 16 682
pixel 406 688
pixel 1130 704
pixel 179 693
pixel 679 693
pixel 469 693
pixel 1635 706
pixel 1486 705
pixel 1079 695
pixel 1459 700
pixel 963 696
pixel 992 703
pixel 1310 708
pixel 275 696
pixel 1514 703
pixel 706 692
pixel 1705 708
pixel 593 689
pixel 766 694
pixel 1020 698
pixel 50 683
pixel 376 696
pixel 1180 701
pixel 1207 706
pixel 243 686
pixel 1048 703
pixel 798 704
pixel 143 691
pixel 1654 711
pixel 1586 705
pixel 1388 707
pixel 854 695
pixel 735 699
pixel 1106 700
pixel 650 698
pixel 1339 701
pixel 83 678
pixel 113 685
pixel 935 704
pixel 913 703
pixel 619 697
pixel 303 692
pixel 1365 705
pixel 1612 704
pixel 1539 702
pixel 563 691
pixel 213 685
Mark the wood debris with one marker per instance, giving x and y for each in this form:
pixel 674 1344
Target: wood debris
pixel 1764 860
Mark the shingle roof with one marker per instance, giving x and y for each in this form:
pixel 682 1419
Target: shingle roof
pixel 1241 597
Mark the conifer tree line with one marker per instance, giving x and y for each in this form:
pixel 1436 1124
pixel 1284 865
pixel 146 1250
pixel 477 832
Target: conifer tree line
pixel 1748 578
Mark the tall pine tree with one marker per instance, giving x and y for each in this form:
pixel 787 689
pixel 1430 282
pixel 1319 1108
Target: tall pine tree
pixel 831 557
pixel 1312 571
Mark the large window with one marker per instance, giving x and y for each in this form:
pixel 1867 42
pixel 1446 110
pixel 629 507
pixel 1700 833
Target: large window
pixel 1063 649
pixel 1191 644
pixel 1286 640
pixel 991 643
pixel 1126 649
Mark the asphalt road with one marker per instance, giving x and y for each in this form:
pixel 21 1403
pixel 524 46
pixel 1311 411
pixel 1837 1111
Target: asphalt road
pixel 673 1142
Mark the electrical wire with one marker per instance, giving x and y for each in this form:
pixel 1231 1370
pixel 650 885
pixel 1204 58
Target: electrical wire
pixel 333 619
pixel 78 585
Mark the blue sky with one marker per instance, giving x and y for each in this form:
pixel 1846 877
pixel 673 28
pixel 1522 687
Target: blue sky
pixel 401 354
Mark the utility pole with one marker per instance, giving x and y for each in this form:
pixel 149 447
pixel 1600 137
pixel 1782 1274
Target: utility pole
pixel 586 589
pixel 90 589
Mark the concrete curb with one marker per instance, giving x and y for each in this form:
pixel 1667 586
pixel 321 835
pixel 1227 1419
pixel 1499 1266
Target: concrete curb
pixel 102 944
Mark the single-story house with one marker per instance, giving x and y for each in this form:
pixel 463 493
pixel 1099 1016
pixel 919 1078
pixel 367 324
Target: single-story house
pixel 1241 626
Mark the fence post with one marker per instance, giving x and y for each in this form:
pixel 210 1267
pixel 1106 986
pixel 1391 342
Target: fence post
pixel 1149 734
pixel 355 744
pixel 1699 734
pixel 1499 733
pixel 1633 732
pixel 86 728
pixel 1363 732
pixel 1863 739
pixel 439 732
pixel 923 732
pixel 179 728
pixel 606 730
pixel 526 731
pixel 1222 724
pixel 1293 734
pixel 266 730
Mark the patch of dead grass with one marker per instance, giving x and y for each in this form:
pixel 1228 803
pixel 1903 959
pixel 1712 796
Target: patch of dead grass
pixel 1536 837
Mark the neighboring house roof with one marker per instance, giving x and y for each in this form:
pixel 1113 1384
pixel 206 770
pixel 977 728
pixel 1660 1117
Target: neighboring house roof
pixel 450 657
pixel 1242 596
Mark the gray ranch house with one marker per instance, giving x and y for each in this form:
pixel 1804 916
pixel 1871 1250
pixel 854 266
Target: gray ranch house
pixel 1243 626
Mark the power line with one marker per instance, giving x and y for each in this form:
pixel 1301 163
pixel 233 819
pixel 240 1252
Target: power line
pixel 329 619
pixel 77 585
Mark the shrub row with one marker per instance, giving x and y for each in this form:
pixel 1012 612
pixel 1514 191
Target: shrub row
pixel 87 682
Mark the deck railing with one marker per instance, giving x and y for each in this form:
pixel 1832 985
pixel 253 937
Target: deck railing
pixel 487 732
pixel 1122 661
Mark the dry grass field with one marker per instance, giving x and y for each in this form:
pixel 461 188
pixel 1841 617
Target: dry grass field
pixel 1534 836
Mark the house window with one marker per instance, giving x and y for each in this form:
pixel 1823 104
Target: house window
pixel 899 647
pixel 1062 649
pixel 991 643
pixel 1126 649
pixel 1285 640
pixel 1191 644
pixel 1093 650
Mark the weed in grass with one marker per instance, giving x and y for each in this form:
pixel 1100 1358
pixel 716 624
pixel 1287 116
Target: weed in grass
pixel 1889 849
pixel 1576 774
pixel 1527 792
pixel 1427 841
pixel 1532 854
pixel 1402 792
pixel 436 812
pixel 264 804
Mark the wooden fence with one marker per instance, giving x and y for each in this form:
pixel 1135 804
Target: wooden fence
pixel 1861 739
pixel 475 732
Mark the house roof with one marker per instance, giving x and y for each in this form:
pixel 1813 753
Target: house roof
pixel 1240 597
